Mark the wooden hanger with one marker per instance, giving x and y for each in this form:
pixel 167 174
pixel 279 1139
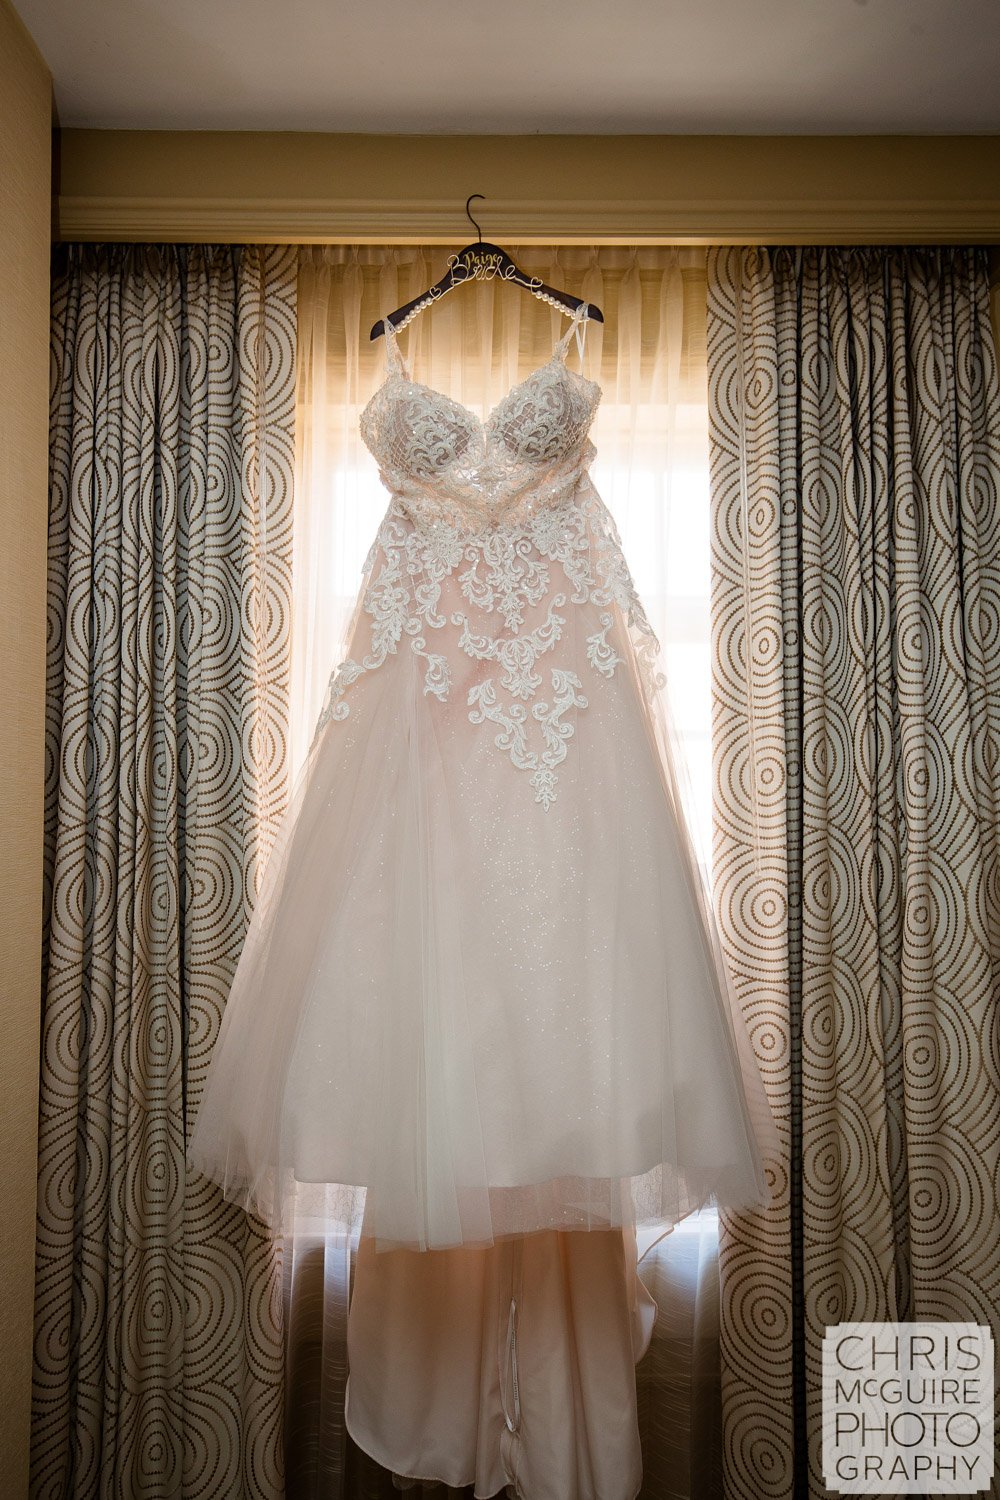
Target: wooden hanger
pixel 480 261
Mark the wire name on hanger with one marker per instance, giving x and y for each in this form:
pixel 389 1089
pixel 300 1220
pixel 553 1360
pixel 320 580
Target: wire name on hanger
pixel 481 265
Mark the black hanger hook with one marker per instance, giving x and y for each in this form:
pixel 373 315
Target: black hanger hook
pixel 469 216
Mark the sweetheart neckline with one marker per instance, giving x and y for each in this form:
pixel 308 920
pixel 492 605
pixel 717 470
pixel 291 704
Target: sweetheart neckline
pixel 483 424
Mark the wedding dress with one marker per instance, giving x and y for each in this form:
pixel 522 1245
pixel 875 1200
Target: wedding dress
pixel 482 998
pixel 482 991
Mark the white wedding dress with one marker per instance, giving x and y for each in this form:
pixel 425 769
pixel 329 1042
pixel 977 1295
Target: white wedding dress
pixel 482 993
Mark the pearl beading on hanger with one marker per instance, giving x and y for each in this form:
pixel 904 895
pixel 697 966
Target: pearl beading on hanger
pixel 418 307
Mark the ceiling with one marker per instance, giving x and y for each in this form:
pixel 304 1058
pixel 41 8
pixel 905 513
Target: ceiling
pixel 525 66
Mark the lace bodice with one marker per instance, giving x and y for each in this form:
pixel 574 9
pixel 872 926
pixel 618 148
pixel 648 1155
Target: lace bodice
pixel 493 538
pixel 444 461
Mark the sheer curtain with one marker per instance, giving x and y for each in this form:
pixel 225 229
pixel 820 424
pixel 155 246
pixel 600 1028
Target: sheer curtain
pixel 651 434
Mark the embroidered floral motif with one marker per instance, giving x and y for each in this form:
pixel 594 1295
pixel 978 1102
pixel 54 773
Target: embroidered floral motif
pixel 505 572
pixel 489 510
pixel 513 578
pixel 517 654
pixel 513 738
pixel 602 657
pixel 555 732
pixel 437 678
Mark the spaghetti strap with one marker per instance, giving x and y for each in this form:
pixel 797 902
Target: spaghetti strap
pixel 393 354
pixel 577 326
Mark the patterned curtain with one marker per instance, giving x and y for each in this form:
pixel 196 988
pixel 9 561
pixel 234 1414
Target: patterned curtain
pixel 855 431
pixel 158 1324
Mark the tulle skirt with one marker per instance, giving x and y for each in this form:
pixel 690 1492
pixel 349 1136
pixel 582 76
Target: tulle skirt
pixel 472 1016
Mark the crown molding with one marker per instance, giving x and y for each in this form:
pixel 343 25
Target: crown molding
pixel 584 221
pixel 307 187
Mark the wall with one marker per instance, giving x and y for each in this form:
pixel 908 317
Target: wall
pixel 217 185
pixel 25 227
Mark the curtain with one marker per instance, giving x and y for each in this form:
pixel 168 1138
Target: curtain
pixel 158 1352
pixel 855 467
pixel 652 469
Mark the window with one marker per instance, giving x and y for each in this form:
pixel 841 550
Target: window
pixel 650 433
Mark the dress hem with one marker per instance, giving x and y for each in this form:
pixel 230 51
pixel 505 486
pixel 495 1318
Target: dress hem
pixel 505 1489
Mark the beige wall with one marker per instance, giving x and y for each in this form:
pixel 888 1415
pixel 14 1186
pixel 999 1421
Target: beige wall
pixel 217 185
pixel 25 227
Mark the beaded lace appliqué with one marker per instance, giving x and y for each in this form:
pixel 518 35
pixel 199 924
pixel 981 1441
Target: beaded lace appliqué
pixel 496 505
